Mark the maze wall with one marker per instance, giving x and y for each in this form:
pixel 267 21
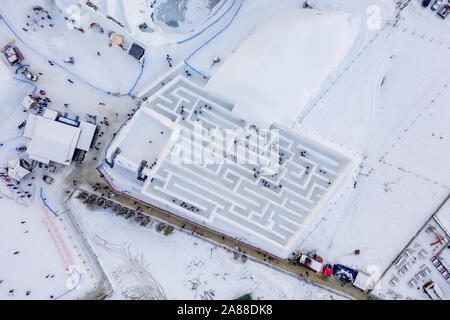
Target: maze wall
pixel 245 199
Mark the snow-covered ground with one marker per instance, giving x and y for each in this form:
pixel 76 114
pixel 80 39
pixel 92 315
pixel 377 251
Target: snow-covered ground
pixel 297 50
pixel 394 115
pixel 180 266
pixel 6 77
pixel 44 257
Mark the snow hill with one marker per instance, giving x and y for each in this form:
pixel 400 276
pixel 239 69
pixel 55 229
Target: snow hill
pixel 274 72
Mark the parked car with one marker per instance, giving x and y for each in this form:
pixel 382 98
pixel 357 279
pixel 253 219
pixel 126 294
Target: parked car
pixel 425 3
pixel 444 11
pixel 436 5
pixel 51 169
pixel 47 179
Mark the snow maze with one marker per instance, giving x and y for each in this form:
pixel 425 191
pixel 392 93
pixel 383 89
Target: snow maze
pixel 242 199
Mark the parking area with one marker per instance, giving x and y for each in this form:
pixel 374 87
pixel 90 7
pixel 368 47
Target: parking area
pixel 423 263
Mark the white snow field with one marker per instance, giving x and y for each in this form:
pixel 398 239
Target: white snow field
pixel 6 79
pixel 43 254
pixel 394 115
pixel 276 70
pixel 141 261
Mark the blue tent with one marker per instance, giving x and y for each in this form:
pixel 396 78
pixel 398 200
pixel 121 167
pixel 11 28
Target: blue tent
pixel 344 273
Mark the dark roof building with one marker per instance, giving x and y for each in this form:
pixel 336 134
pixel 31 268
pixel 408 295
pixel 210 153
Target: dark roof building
pixel 137 51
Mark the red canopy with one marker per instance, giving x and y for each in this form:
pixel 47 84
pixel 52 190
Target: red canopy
pixel 327 271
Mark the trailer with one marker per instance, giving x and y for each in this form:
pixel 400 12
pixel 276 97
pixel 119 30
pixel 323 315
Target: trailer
pixel 310 263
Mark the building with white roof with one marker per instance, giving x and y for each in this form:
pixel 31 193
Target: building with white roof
pixel 17 170
pixel 152 137
pixel 56 141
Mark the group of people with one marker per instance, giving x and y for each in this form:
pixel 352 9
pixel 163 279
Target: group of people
pixel 12 291
pixel 39 18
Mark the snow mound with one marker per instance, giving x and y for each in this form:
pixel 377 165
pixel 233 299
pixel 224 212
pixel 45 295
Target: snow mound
pixel 276 70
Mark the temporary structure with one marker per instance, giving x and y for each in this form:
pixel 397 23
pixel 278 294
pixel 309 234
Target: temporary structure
pixel 29 101
pixel 16 170
pixel 116 39
pixel 57 138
